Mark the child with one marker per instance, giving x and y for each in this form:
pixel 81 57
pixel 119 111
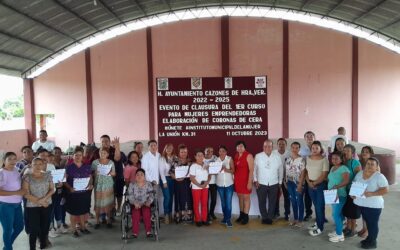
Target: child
pixel 200 180
pixel 141 196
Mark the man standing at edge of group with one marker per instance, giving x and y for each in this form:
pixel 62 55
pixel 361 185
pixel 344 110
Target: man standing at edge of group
pixel 43 142
pixel 150 163
pixel 283 154
pixel 305 151
pixel 268 175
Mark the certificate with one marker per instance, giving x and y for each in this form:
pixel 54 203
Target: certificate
pixel 357 189
pixel 58 175
pixel 181 172
pixel 331 196
pixel 81 184
pixel 214 167
pixel 104 169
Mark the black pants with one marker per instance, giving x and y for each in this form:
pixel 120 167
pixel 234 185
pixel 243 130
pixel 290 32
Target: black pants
pixel 183 195
pixel 213 197
pixel 39 225
pixel 286 201
pixel 267 192
pixel 307 201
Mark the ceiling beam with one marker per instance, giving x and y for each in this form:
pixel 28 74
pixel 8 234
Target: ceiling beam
pixel 108 10
pixel 137 4
pixel 335 7
pixel 166 2
pixel 10 36
pixel 76 15
pixel 37 21
pixel 17 56
pixel 306 3
pixel 355 20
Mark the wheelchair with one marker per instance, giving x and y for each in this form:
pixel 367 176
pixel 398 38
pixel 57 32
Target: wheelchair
pixel 126 217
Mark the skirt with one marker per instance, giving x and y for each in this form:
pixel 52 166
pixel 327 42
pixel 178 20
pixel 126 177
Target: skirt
pixel 351 210
pixel 78 203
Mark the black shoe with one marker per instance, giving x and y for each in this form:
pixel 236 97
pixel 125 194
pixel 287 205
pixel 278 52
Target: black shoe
pixel 85 231
pixel 307 217
pixel 245 219
pixel 76 234
pixel 206 223
pixel 239 220
pixel 368 245
pixel 286 217
pixel 213 216
pixel 266 222
pixel 97 226
pixel 149 235
pixel 199 224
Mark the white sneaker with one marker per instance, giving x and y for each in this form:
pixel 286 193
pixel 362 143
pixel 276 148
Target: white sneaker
pixel 315 232
pixel 62 230
pixel 53 233
pixel 337 238
pixel 313 226
pixel 332 234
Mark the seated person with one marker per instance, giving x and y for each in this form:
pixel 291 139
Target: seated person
pixel 141 196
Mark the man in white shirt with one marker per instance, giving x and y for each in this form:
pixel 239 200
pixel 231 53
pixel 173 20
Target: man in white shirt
pixel 150 163
pixel 43 142
pixel 341 134
pixel 283 154
pixel 268 174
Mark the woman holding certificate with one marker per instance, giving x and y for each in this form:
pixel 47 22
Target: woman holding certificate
pixel 39 188
pixel 104 187
pixel 317 167
pixel 183 197
pixel 200 182
pixel 78 185
pixel 372 203
pixel 338 179
pixel 166 159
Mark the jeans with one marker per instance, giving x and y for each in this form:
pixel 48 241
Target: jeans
pixel 296 199
pixel 39 225
pixel 286 201
pixel 307 201
pixel 267 192
pixel 12 222
pixel 213 197
pixel 317 197
pixel 56 211
pixel 371 217
pixel 168 194
pixel 338 215
pixel 200 198
pixel 226 193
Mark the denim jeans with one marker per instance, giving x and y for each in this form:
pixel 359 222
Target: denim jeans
pixel 226 193
pixel 297 201
pixel 12 222
pixel 371 217
pixel 317 197
pixel 56 213
pixel 168 194
pixel 338 215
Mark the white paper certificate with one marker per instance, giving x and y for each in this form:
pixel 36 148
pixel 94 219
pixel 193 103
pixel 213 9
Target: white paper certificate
pixel 214 167
pixel 104 169
pixel 331 197
pixel 58 175
pixel 81 183
pixel 181 172
pixel 357 189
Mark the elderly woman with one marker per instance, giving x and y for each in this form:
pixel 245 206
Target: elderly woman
pixel 350 211
pixel 317 167
pixel 371 206
pixel 78 201
pixel 39 188
pixel 141 196
pixel 11 217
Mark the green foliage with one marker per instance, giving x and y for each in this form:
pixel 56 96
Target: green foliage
pixel 12 108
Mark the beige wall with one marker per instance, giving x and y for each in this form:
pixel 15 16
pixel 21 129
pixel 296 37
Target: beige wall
pixel 320 68
pixel 62 91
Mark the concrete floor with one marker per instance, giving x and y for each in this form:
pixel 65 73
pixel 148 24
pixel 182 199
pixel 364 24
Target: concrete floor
pixel 252 236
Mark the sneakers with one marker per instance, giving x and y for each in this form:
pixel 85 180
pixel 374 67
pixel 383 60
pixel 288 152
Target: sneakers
pixel 336 238
pixel 313 227
pixel 53 233
pixel 315 232
pixel 62 230
pixel 229 224
pixel 332 234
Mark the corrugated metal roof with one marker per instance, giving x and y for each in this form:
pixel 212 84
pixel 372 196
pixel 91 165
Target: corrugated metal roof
pixel 31 31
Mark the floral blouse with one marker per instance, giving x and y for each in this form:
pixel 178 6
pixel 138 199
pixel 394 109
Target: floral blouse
pixel 140 195
pixel 177 163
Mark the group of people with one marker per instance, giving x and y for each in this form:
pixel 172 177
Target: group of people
pixel 301 174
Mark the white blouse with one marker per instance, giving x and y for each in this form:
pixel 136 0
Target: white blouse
pixel 225 179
